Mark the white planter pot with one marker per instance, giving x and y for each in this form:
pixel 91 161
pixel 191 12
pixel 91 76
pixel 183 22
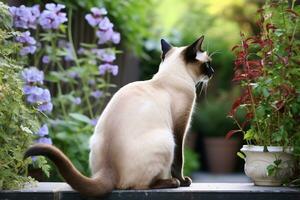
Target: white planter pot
pixel 257 161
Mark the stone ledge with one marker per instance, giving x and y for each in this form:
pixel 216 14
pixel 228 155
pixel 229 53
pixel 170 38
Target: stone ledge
pixel 203 191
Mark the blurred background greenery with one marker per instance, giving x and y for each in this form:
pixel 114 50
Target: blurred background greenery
pixel 143 23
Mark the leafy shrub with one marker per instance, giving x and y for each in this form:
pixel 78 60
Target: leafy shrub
pixel 18 120
pixel 267 68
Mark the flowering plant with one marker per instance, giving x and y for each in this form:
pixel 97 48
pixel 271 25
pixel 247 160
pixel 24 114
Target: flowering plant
pixel 79 80
pixel 267 68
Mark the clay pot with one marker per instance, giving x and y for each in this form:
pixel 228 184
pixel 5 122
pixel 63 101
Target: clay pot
pixel 221 154
pixel 257 161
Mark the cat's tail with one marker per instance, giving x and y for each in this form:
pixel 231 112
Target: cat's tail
pixel 99 185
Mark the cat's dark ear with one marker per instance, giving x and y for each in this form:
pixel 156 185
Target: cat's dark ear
pixel 190 52
pixel 165 47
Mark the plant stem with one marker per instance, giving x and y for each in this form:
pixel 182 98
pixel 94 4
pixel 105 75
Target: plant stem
pixel 86 97
pixel 253 108
pixel 61 102
pixel 89 105
pixel 53 47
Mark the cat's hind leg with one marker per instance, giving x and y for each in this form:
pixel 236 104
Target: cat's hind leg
pixel 165 183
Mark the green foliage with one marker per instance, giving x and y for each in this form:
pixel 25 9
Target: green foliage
pixel 18 121
pixel 133 18
pixel 210 118
pixel 273 169
pixel 72 137
pixel 191 161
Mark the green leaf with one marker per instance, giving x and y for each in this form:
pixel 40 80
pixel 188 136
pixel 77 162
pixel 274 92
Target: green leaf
pixel 265 92
pixel 249 135
pixel 271 169
pixel 241 155
pixel 80 117
pixel 277 162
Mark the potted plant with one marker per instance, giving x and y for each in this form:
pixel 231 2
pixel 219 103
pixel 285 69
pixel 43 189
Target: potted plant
pixel 210 121
pixel 267 69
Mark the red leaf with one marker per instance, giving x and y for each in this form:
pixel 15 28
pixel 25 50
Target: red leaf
pixel 240 77
pixel 231 133
pixel 236 46
pixel 254 63
pixel 286 90
pixel 270 26
pixel 292 12
pixel 280 106
pixel 244 98
pixel 249 116
pixel 245 123
pixel 234 107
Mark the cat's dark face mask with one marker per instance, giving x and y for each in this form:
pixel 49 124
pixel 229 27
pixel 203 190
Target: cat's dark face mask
pixel 207 69
pixel 195 55
pixel 195 58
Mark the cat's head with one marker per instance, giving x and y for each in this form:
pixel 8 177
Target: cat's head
pixel 192 58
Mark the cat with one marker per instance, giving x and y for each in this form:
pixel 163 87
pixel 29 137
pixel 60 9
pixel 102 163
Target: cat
pixel 139 138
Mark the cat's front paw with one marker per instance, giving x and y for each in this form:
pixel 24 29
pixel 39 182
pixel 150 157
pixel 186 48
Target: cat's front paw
pixel 186 182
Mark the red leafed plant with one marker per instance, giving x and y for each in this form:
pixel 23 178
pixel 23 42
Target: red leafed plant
pixel 267 69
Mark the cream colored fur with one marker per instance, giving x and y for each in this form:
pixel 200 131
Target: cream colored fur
pixel 133 138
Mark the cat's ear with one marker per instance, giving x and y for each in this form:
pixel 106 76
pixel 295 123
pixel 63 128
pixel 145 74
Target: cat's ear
pixel 165 47
pixel 191 51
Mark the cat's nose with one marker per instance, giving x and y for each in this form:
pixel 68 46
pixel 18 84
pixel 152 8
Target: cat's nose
pixel 209 71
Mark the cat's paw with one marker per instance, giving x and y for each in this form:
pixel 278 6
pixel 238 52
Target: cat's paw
pixel 186 182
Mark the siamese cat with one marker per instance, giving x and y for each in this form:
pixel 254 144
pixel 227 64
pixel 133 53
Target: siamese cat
pixel 139 138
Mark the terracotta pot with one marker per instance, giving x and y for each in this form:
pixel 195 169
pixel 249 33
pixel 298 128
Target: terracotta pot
pixel 221 154
pixel 257 161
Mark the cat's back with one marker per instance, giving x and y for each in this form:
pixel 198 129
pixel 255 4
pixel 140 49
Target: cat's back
pixel 138 102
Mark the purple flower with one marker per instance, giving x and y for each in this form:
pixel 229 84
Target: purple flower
pixel 94 121
pixel 96 94
pixel 39 98
pixel 69 54
pixel 73 74
pixel 27 89
pixel 46 59
pixel 52 18
pixel 33 75
pixel 95 17
pixel 108 68
pixel 33 158
pixel 27 50
pixel 25 17
pixel 106 55
pixel 62 43
pixel 91 82
pixel 77 100
pixel 26 39
pixel 43 131
pixel 116 37
pixel 47 106
pixel 28 43
pixel 81 51
pixel 44 140
pixel 104 35
pixel 105 24
pixel 56 8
